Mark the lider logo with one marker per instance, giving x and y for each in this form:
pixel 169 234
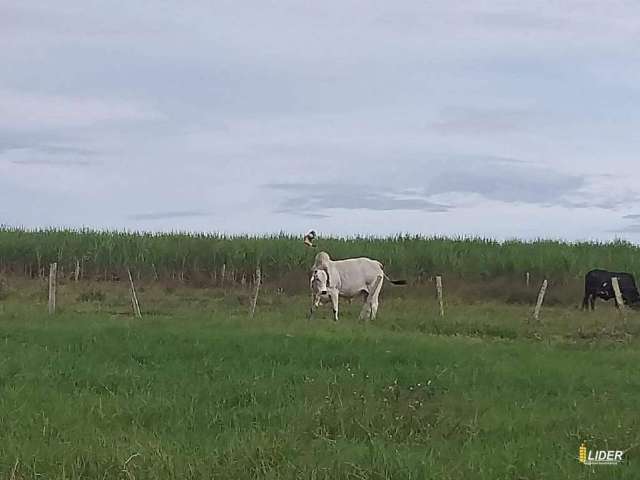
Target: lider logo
pixel 599 457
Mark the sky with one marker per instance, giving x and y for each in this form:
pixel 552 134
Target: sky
pixel 458 118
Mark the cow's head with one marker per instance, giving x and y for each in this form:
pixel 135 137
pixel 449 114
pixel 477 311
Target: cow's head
pixel 319 281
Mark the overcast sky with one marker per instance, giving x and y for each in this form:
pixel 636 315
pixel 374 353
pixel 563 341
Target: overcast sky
pixel 499 119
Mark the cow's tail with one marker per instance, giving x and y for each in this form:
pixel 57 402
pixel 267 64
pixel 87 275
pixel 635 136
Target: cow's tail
pixel 395 282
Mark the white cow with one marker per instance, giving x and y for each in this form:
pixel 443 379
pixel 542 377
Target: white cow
pixel 348 278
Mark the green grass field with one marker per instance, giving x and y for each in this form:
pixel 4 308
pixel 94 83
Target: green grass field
pixel 197 390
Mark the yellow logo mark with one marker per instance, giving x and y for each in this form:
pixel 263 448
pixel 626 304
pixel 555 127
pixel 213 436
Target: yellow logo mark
pixel 582 453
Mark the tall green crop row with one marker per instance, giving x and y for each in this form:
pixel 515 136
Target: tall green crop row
pixel 104 254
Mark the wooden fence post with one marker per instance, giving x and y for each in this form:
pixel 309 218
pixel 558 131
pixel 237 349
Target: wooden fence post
pixel 222 274
pixel 527 279
pixel 155 272
pixel 616 290
pixel 255 295
pixel 53 271
pixel 134 297
pixel 76 274
pixel 543 289
pixel 439 292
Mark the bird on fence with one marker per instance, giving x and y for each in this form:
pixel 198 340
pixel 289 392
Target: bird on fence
pixel 309 238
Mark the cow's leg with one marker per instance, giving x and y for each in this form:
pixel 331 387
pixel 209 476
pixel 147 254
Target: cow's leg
pixel 370 306
pixel 374 309
pixel 373 298
pixel 365 313
pixel 311 310
pixel 585 301
pixel 315 303
pixel 334 303
pixel 592 301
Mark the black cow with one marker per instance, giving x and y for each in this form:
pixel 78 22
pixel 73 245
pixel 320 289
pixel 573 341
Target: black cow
pixel 597 283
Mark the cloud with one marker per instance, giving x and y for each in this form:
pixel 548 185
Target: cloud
pixel 536 183
pixel 633 228
pixel 521 21
pixel 49 155
pixel 32 110
pixel 481 121
pixel 168 215
pixel 507 181
pixel 446 185
pixel 308 199
pixel 54 163
pixel 67 149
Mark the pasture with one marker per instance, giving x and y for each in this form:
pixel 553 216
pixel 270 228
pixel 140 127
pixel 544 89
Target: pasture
pixel 197 390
